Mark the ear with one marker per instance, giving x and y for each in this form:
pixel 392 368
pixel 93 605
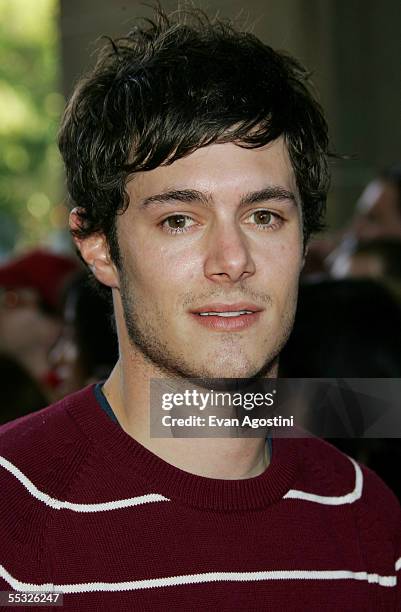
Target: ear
pixel 95 252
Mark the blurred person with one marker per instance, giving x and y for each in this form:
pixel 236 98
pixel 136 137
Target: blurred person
pixel 20 394
pixel 30 318
pixel 377 216
pixel 378 258
pixel 378 213
pixel 86 350
pixel 348 328
pixel 197 162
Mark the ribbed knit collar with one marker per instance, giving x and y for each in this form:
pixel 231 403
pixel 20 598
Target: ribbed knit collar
pixel 174 483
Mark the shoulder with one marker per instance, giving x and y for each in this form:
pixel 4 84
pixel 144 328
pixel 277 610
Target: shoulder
pixel 41 455
pixel 326 466
pixel 50 427
pixel 41 451
pixel 339 480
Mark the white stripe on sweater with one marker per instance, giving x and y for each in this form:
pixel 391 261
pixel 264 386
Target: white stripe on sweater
pixel 336 500
pixel 398 565
pixel 57 504
pixel 134 585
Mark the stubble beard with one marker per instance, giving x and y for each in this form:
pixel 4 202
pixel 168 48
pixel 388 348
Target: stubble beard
pixel 145 336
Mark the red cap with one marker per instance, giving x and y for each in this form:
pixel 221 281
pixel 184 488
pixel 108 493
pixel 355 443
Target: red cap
pixel 41 270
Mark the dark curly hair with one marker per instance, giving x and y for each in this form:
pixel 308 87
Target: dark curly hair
pixel 173 85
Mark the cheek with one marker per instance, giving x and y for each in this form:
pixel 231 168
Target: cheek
pixel 27 326
pixel 283 263
pixel 283 278
pixel 48 330
pixel 25 321
pixel 162 271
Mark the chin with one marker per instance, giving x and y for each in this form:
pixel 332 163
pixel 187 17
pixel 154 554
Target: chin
pixel 236 369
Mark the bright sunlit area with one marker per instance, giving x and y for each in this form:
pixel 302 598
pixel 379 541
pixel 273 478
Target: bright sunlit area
pixel 31 180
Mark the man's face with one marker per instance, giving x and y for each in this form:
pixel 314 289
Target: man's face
pixel 219 231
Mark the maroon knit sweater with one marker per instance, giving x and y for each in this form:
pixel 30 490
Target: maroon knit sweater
pixel 87 511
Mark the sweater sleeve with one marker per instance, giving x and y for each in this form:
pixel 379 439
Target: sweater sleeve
pixel 39 456
pixel 397 567
pixel 387 511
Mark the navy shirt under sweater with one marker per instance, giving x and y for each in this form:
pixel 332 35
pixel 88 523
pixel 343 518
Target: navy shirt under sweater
pixel 103 402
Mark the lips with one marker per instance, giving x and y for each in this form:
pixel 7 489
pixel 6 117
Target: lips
pixel 216 308
pixel 227 317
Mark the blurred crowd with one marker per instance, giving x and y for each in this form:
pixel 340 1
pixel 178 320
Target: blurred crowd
pixel 57 333
pixel 348 321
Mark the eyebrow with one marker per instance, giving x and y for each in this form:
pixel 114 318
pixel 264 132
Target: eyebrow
pixel 272 192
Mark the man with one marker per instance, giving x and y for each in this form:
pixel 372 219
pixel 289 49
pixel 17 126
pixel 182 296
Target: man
pixel 197 161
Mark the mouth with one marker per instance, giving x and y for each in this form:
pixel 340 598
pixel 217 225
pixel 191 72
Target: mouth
pixel 227 317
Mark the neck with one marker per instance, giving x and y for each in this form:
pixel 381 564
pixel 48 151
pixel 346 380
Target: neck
pixel 127 391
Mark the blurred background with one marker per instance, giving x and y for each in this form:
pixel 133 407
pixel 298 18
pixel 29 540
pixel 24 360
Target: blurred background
pixel 351 287
pixel 31 101
pixel 352 48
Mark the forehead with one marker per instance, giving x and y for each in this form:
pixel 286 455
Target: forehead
pixel 220 169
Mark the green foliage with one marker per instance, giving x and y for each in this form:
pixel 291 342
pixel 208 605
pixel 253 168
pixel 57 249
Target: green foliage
pixel 30 108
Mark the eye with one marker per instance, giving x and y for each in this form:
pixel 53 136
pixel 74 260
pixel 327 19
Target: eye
pixel 265 219
pixel 262 217
pixel 177 224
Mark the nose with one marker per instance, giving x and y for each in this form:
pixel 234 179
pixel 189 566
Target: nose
pixel 228 258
